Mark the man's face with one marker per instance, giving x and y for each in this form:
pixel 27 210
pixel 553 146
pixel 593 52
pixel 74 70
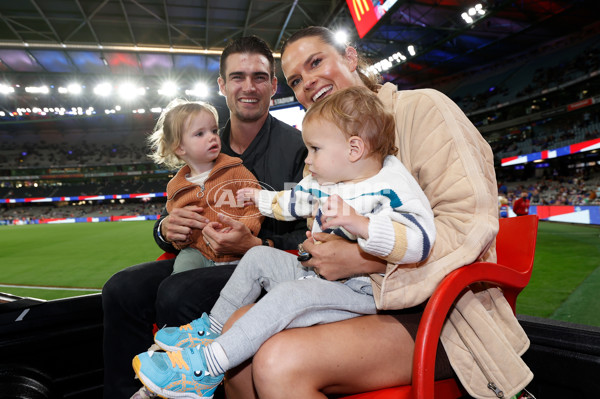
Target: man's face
pixel 247 86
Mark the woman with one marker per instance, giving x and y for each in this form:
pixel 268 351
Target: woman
pixel 454 166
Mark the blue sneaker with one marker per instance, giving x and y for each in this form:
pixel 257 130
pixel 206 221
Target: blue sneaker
pixel 181 374
pixel 190 335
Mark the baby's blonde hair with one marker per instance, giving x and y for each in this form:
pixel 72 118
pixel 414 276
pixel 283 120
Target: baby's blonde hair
pixel 171 124
pixel 357 111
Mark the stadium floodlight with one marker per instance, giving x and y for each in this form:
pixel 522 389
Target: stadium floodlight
pixel 128 91
pixel 200 91
pixel 411 50
pixel 168 89
pixel 37 89
pixel 6 89
pixel 473 13
pixel 103 89
pixel 341 37
pixel 74 88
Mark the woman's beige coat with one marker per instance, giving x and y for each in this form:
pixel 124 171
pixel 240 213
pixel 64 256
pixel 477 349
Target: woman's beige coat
pixel 454 165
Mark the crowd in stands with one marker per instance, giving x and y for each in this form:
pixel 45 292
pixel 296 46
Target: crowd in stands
pixel 43 155
pixel 556 190
pixel 549 135
pixel 72 188
pixel 25 214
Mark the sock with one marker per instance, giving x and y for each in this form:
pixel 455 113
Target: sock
pixel 216 359
pixel 215 326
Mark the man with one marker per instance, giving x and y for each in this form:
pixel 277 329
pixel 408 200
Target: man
pixel 521 204
pixel 141 295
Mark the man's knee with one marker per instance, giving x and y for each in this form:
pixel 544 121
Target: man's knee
pixel 169 296
pixel 116 291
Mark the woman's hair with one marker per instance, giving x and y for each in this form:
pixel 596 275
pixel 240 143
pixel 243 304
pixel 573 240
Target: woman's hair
pixel 169 129
pixel 357 111
pixel 369 78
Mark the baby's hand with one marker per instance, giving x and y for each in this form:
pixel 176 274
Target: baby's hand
pixel 247 196
pixel 337 213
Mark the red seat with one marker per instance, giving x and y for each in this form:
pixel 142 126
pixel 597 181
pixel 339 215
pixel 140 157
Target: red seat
pixel 515 245
pixel 165 256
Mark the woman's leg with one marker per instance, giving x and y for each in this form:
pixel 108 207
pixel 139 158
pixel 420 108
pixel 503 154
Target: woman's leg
pixel 356 355
pixel 238 381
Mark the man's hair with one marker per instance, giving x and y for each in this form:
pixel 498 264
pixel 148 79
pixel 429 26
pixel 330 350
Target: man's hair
pixel 249 45
pixel 357 111
pixel 169 129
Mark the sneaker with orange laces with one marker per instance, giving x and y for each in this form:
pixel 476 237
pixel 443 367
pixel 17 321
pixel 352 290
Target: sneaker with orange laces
pixel 180 374
pixel 196 333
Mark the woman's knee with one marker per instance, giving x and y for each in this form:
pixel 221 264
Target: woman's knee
pixel 277 360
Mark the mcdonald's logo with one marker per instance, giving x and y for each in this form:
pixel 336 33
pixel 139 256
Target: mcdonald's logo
pixel 360 8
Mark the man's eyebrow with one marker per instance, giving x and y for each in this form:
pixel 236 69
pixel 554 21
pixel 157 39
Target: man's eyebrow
pixel 240 73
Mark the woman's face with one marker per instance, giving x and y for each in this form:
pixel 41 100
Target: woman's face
pixel 315 69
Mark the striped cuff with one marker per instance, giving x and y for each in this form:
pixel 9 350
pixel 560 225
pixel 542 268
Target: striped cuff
pixel 381 236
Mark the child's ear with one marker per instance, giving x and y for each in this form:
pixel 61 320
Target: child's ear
pixel 179 151
pixel 356 148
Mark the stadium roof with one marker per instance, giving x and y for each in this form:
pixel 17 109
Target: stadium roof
pixel 184 37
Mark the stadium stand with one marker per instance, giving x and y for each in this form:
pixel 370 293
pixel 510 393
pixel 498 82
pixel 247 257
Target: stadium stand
pixel 524 105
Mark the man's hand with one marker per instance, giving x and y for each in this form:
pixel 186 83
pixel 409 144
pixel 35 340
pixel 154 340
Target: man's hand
pixel 335 258
pixel 229 237
pixel 337 212
pixel 178 225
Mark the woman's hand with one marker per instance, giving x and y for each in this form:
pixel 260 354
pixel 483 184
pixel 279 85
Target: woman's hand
pixel 178 225
pixel 336 258
pixel 229 236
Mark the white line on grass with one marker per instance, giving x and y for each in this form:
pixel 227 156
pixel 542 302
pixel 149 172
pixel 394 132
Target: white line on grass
pixel 46 287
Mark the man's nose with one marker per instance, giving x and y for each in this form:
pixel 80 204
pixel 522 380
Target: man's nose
pixel 248 84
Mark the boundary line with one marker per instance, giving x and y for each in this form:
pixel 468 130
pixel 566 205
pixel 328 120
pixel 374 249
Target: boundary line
pixel 48 287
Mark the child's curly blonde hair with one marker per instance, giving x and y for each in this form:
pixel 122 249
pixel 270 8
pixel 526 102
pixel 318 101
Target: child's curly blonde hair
pixel 357 111
pixel 171 124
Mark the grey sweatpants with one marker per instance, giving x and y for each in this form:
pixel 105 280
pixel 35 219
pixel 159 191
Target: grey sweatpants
pixel 296 297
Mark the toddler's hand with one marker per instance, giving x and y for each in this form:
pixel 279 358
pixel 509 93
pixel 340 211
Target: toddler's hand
pixel 247 196
pixel 337 213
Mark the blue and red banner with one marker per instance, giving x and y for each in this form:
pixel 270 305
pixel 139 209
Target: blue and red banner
pixel 567 213
pixel 549 154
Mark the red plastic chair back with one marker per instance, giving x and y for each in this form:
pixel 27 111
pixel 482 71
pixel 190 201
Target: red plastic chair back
pixel 515 245
pixel 166 256
pixel 515 248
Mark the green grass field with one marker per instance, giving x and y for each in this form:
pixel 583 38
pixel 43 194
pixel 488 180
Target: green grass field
pixel 82 256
